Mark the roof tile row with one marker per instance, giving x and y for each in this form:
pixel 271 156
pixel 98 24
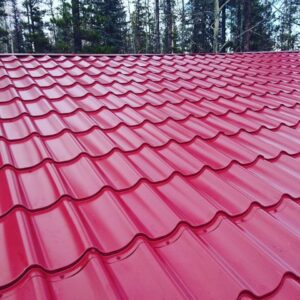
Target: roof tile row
pixel 266 238
pixel 123 176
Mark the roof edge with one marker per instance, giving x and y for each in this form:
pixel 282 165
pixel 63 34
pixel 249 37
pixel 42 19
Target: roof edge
pixel 143 54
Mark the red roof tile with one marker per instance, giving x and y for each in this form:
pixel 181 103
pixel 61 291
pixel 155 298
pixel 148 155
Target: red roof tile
pixel 150 176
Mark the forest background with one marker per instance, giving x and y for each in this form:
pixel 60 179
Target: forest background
pixel 148 26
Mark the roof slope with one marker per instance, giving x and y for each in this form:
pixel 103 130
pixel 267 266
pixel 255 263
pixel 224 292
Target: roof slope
pixel 150 176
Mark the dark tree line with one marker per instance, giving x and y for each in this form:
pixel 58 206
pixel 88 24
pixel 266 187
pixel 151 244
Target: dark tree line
pixel 149 26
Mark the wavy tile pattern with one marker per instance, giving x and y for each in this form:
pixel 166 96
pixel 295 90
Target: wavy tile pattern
pixel 152 177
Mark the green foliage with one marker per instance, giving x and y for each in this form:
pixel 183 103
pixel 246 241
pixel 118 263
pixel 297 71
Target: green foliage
pixel 200 24
pixel 264 30
pixel 138 22
pixel 63 24
pixel 3 29
pixel 261 26
pixel 34 31
pixel 114 26
pixel 103 26
pixel 17 32
pixel 289 18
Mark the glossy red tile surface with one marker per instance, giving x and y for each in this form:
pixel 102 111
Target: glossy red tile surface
pixel 150 177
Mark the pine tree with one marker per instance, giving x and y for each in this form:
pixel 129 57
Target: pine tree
pixel 138 27
pixel 216 26
pixel 51 25
pixel 114 26
pixel 4 35
pixel 64 30
pixel 251 25
pixel 101 26
pixel 18 41
pixel 168 20
pixel 219 32
pixel 223 25
pixel 77 41
pixel 247 17
pixel 289 11
pixel 262 27
pixel 176 42
pixel 104 26
pixel 91 26
pixel 183 27
pixel 35 37
pixel 151 36
pixel 235 25
pixel 157 27
pixel 201 16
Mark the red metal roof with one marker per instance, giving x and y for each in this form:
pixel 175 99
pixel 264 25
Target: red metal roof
pixel 150 177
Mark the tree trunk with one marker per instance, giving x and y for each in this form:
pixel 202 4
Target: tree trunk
pixel 146 4
pixel 247 20
pixel 157 32
pixel 17 35
pixel 27 4
pixel 137 27
pixel 183 26
pixel 131 36
pixel 290 44
pixel 8 44
pixel 31 18
pixel 216 26
pixel 223 27
pixel 169 25
pixel 239 26
pixel 51 6
pixel 77 43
